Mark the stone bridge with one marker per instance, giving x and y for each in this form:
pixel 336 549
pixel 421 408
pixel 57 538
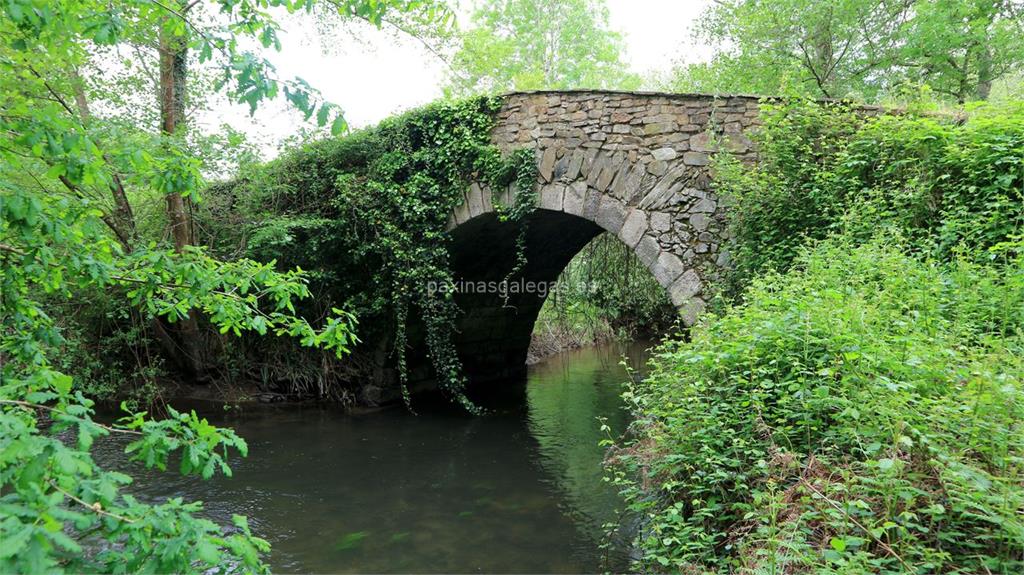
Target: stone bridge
pixel 632 164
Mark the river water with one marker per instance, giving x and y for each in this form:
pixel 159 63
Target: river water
pixel 517 490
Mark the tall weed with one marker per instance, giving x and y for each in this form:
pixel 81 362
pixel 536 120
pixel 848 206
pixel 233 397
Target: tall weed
pixel 862 413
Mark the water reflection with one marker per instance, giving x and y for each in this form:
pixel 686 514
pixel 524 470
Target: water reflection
pixel 517 491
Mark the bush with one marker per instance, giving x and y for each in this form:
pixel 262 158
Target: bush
pixel 943 182
pixel 861 414
pixel 858 409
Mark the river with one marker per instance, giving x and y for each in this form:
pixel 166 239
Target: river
pixel 517 490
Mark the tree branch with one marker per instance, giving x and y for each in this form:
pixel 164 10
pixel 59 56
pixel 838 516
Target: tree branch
pixel 30 405
pixel 95 507
pixel 810 68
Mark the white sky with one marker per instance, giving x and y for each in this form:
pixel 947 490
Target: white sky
pixel 373 74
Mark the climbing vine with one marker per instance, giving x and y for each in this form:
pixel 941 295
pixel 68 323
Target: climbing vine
pixel 367 214
pixel 522 168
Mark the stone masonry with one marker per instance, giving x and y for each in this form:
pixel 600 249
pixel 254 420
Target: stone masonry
pixel 636 165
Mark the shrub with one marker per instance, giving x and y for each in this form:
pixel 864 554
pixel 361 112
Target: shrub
pixel 943 182
pixel 860 414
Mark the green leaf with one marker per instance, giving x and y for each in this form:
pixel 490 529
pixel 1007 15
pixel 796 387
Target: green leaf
pixel 12 544
pixel 838 543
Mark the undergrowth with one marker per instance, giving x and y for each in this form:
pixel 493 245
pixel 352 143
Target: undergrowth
pixel 858 407
pixel 604 293
pixel 946 183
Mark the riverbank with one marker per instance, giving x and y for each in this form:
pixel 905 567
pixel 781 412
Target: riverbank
pixel 876 428
pixel 552 336
pixel 858 408
pixel 564 327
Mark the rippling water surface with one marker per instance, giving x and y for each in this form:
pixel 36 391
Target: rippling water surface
pixel 518 490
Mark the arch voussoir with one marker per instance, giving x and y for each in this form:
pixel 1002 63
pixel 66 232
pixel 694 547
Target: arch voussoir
pixel 550 196
pixel 636 166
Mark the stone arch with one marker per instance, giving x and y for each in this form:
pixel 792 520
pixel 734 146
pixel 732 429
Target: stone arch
pixel 494 332
pixel 633 165
pixel 676 230
pixel 630 164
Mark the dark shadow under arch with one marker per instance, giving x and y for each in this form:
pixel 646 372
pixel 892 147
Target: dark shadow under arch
pixel 494 331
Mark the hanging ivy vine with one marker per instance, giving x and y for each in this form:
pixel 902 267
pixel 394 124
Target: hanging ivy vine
pixel 367 214
pixel 522 168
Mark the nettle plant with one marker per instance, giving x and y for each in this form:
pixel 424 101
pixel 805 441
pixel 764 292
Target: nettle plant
pixel 368 214
pixel 857 408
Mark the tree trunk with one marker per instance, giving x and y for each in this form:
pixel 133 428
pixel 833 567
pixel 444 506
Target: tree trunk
pixel 984 87
pixel 184 340
pixel 173 79
pixel 122 220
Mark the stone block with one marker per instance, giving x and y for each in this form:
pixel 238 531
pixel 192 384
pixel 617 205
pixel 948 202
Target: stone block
pixel 699 222
pixel 611 214
pixel 657 168
pixel 475 200
pixel 606 176
pixel 591 204
pixel 573 198
pixel 575 162
pixel 704 205
pixel 691 310
pixel 618 184
pixel 667 268
pixel 703 142
pixel 695 159
pixel 659 128
pixel 647 249
pixel 488 198
pixel 551 197
pixel 633 183
pixel 738 143
pixel 664 154
pixel 660 118
pixel 634 227
pixel 687 285
pixel 661 222
pixel 588 161
pixel 547 164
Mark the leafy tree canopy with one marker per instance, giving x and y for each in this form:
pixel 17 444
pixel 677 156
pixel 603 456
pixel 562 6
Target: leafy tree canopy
pixel 80 160
pixel 857 48
pixel 534 44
